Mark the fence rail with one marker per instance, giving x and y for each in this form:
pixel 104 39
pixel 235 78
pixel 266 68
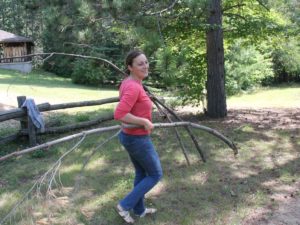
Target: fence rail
pixel 16 59
pixel 28 129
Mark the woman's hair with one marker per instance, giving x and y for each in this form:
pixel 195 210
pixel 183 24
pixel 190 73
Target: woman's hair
pixel 130 57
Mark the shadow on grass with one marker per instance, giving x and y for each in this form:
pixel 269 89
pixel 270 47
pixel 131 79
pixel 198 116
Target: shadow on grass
pixel 222 191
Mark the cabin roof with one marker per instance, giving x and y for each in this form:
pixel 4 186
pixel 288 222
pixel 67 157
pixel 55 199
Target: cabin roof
pixel 6 37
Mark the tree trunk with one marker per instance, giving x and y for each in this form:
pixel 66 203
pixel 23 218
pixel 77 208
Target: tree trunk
pixel 216 97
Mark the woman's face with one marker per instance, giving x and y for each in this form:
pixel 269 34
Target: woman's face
pixel 139 68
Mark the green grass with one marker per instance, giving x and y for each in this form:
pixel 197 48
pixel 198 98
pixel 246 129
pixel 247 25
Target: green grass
pixel 224 190
pixel 287 96
pixel 46 87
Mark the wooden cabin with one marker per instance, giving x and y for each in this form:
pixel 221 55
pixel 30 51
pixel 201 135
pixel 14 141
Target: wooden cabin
pixel 12 45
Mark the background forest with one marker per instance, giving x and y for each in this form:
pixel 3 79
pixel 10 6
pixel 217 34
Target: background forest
pixel 261 45
pixel 261 40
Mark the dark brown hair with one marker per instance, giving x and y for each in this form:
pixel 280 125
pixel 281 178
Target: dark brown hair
pixel 130 57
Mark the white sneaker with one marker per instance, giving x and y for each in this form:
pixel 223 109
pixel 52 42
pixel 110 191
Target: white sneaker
pixel 124 214
pixel 148 211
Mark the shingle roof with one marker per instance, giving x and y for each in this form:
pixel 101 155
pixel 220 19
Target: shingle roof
pixel 6 37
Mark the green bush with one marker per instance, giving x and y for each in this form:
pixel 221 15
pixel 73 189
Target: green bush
pixel 286 58
pixel 183 71
pixel 246 68
pixel 91 73
pixel 60 65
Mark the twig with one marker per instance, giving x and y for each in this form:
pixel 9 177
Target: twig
pixel 233 6
pixel 57 164
pixel 40 181
pixel 263 5
pixel 49 55
pixel 176 132
pixel 164 10
pixel 187 128
pixel 159 30
pixel 235 15
pixel 77 183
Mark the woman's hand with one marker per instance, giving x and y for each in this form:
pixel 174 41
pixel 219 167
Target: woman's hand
pixel 131 119
pixel 148 125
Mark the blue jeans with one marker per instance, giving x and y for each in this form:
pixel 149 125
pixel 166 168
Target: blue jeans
pixel 147 166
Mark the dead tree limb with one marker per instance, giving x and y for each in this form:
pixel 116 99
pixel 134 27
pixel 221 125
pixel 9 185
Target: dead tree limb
pixel 263 5
pixel 155 99
pixel 67 128
pixel 16 113
pixel 51 173
pixel 49 55
pixel 161 111
pixel 233 6
pixel 77 183
pixel 116 127
pixel 124 74
pixel 164 10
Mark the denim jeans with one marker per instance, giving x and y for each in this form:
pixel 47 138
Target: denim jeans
pixel 147 166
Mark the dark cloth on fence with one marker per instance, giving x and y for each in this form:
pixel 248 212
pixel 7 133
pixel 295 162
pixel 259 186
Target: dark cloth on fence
pixel 34 114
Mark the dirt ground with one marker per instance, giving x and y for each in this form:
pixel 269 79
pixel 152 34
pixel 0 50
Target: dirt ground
pixel 288 212
pixel 287 197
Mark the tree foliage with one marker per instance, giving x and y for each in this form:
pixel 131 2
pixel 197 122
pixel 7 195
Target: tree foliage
pixel 246 67
pixel 261 39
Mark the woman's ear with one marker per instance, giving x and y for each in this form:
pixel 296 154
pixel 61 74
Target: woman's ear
pixel 129 68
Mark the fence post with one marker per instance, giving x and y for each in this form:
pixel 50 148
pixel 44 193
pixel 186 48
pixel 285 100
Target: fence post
pixel 27 123
pixel 23 120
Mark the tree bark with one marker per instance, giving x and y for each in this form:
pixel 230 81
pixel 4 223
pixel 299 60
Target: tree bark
pixel 216 97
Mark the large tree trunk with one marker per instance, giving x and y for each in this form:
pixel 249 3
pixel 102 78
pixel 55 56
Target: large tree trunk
pixel 216 97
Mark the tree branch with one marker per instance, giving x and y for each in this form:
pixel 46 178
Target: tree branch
pixel 164 10
pixel 233 6
pixel 49 55
pixel 235 15
pixel 263 5
pixel 116 127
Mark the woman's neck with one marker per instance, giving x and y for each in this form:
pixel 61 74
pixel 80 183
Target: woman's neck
pixel 133 77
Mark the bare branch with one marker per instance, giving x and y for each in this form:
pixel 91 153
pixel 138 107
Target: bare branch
pixel 41 180
pixel 164 10
pixel 116 127
pixel 263 5
pixel 161 111
pixel 77 183
pixel 233 6
pixel 155 99
pixel 159 30
pixel 234 15
pixel 49 55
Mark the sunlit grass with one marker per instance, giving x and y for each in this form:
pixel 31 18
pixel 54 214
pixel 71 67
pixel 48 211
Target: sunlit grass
pixel 46 87
pixel 287 96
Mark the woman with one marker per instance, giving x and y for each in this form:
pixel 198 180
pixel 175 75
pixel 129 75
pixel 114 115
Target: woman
pixel 135 107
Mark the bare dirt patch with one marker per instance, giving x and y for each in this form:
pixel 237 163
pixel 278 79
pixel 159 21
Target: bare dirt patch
pixel 263 118
pixel 286 210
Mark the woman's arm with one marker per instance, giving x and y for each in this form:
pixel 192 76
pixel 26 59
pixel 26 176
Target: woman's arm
pixel 132 119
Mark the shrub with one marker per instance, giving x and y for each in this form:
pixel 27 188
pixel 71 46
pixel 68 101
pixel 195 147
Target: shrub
pixel 91 73
pixel 183 71
pixel 246 68
pixel 286 58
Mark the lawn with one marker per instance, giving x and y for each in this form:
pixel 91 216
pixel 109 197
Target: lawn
pixel 224 190
pixel 46 87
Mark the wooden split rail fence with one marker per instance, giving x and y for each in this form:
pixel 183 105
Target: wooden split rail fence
pixel 29 130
